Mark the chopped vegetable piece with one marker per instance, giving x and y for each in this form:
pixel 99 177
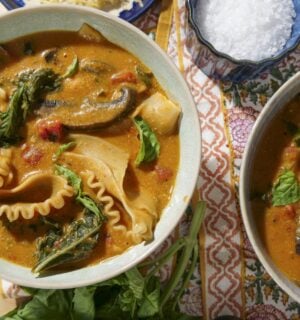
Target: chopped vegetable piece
pixel 163 173
pixel 50 130
pixel 32 155
pixel 149 145
pixel 122 77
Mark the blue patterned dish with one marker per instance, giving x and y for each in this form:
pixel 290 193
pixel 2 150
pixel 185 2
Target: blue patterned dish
pixel 243 69
pixel 129 15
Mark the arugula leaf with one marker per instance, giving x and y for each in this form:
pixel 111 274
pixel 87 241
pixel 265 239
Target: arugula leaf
pixel 286 189
pixel 62 149
pixel 149 145
pixel 72 69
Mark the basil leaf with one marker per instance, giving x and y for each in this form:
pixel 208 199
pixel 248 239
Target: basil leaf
pixel 47 305
pixel 286 189
pixel 83 301
pixel 62 149
pixel 150 303
pixel 149 145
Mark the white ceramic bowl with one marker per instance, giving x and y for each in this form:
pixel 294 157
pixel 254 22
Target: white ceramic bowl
pixel 64 17
pixel 279 100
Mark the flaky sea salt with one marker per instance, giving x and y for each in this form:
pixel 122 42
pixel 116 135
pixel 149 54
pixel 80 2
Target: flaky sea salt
pixel 246 29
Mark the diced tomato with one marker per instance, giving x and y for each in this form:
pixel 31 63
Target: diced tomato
pixel 50 130
pixel 32 154
pixel 290 212
pixel 125 76
pixel 163 173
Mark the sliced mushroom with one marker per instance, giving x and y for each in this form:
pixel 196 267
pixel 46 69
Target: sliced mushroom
pixel 95 66
pixel 93 115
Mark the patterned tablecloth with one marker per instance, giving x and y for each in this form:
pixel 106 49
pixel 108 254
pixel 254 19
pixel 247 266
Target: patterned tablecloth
pixel 229 279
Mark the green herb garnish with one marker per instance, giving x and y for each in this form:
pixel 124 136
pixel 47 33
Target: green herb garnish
pixel 149 145
pixel 286 189
pixel 72 69
pixel 62 149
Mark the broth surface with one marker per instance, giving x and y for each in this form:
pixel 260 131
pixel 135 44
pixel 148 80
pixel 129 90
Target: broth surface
pixel 18 238
pixel 276 225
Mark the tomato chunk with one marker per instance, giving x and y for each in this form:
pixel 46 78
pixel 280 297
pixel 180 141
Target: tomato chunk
pixel 50 130
pixel 31 154
pixel 124 76
pixel 163 173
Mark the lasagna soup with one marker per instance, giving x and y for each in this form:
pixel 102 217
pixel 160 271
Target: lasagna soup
pixel 275 190
pixel 89 150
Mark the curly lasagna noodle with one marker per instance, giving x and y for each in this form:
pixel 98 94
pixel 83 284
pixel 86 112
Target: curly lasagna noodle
pixel 89 150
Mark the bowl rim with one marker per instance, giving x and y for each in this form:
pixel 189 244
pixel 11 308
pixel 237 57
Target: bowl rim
pixel 240 62
pixel 257 131
pixel 190 187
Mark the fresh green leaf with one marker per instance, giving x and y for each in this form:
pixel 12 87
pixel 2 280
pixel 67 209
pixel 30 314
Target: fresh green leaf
pixel 83 303
pixel 136 282
pixel 62 149
pixel 46 305
pixel 286 189
pixel 73 179
pixel 31 86
pixel 150 303
pixel 72 69
pixel 149 145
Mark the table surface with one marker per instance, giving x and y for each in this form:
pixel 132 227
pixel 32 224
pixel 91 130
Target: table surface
pixel 229 279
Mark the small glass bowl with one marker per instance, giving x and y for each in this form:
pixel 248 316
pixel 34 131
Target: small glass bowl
pixel 231 69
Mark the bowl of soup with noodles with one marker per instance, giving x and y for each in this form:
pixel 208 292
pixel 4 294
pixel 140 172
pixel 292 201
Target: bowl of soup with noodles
pixel 99 146
pixel 269 192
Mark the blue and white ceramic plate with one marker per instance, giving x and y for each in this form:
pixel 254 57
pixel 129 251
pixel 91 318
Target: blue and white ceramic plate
pixel 136 9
